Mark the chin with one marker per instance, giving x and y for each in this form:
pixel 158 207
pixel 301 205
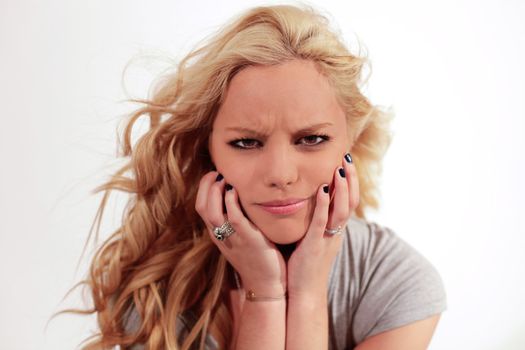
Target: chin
pixel 283 232
pixel 279 239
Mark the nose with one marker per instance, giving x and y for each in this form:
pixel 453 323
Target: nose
pixel 279 167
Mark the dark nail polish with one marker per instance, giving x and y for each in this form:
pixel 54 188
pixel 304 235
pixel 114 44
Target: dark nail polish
pixel 228 187
pixel 219 177
pixel 348 158
pixel 342 172
pixel 325 188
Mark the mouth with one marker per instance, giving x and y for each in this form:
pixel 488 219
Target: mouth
pixel 284 207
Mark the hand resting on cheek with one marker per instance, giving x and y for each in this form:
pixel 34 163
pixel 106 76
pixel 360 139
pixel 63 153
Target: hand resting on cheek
pixel 301 268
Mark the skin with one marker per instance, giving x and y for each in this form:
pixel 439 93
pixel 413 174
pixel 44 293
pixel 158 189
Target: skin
pixel 291 136
pixel 276 102
pixel 279 134
pixel 278 162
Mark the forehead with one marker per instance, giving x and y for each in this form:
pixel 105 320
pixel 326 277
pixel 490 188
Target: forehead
pixel 294 92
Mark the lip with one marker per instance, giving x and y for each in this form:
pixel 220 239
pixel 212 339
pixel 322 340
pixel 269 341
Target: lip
pixel 284 207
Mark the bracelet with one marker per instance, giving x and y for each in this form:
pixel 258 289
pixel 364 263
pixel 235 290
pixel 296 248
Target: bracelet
pixel 251 296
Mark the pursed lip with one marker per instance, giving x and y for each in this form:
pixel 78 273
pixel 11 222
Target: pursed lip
pixel 284 206
pixel 282 202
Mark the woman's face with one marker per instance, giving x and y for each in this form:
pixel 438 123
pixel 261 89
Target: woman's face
pixel 278 136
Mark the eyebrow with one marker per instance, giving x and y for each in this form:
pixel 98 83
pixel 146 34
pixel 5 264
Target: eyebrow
pixel 304 131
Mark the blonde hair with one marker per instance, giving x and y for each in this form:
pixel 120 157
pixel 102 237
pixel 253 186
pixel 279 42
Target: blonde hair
pixel 161 262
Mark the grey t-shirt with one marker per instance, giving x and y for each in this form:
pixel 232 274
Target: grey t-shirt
pixel 378 282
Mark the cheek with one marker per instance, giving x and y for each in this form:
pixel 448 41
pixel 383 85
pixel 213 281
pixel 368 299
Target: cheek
pixel 320 170
pixel 228 163
pixel 239 173
pixel 236 168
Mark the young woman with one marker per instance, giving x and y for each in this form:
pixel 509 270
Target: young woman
pixel 246 226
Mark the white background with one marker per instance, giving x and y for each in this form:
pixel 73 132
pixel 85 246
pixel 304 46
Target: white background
pixel 452 187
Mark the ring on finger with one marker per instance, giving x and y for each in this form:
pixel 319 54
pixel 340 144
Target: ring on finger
pixel 334 231
pixel 224 231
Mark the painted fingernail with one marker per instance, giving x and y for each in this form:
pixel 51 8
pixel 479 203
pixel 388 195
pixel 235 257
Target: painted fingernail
pixel 348 158
pixel 325 188
pixel 219 177
pixel 228 187
pixel 342 172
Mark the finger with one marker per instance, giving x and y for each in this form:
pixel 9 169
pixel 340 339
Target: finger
pixel 235 216
pixel 320 215
pixel 201 201
pixel 339 208
pixel 233 210
pixel 353 182
pixel 214 209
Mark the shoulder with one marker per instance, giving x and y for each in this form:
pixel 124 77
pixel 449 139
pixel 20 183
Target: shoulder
pixel 383 280
pixel 372 248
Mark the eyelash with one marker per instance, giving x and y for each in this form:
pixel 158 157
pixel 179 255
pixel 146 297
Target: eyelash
pixel 324 138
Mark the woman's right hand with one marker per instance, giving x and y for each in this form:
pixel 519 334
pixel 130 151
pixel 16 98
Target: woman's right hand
pixel 256 259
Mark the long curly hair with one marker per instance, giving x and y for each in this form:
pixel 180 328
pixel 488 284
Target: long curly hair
pixel 161 262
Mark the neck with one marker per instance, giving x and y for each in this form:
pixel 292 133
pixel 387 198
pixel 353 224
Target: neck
pixel 286 249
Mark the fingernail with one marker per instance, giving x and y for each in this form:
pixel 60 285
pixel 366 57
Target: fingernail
pixel 348 158
pixel 342 172
pixel 219 177
pixel 325 188
pixel 228 187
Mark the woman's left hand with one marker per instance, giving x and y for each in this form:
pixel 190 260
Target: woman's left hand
pixel 309 265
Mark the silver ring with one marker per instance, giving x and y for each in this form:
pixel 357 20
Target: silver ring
pixel 224 231
pixel 334 231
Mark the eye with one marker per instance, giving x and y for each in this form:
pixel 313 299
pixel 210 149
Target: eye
pixel 310 141
pixel 313 140
pixel 244 143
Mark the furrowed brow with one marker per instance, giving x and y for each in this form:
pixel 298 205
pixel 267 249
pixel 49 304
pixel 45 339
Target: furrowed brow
pixel 312 129
pixel 304 131
pixel 248 131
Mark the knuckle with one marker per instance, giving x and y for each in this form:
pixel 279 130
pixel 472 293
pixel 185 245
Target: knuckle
pixel 339 218
pixel 199 208
pixel 202 181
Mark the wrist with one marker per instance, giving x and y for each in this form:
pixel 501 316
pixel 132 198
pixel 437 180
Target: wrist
pixel 264 289
pixel 251 295
pixel 308 298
